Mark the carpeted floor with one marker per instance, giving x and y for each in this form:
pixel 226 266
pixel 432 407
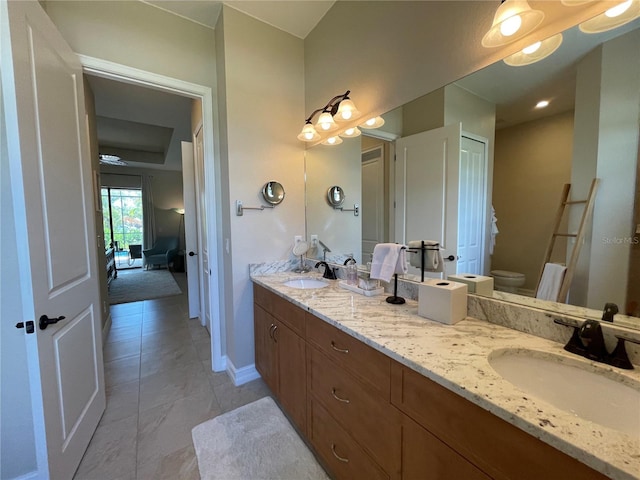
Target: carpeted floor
pixel 140 284
pixel 253 442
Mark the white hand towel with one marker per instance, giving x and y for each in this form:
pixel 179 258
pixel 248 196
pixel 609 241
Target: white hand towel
pixel 388 258
pixel 551 281
pixel 432 257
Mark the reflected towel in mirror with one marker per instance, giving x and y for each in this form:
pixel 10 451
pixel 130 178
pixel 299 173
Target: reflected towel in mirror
pixel 551 281
pixel 432 257
pixel 388 259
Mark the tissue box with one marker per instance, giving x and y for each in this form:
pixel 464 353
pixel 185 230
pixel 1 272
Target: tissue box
pixel 477 284
pixel 443 301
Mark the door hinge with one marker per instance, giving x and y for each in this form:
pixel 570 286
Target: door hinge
pixel 30 326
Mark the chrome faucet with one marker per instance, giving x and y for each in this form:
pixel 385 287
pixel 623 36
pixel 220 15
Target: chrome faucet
pixel 329 274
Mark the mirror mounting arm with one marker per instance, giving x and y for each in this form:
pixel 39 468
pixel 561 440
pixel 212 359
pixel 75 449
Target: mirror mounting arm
pixel 355 209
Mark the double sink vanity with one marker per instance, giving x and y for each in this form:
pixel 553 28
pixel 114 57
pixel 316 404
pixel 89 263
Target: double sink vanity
pixel 380 392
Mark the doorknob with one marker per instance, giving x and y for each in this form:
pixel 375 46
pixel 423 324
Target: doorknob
pixel 192 253
pixel 46 321
pixel 451 258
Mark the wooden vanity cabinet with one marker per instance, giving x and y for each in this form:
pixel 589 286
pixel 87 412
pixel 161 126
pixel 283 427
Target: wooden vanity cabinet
pixel 496 447
pixel 280 353
pixel 369 417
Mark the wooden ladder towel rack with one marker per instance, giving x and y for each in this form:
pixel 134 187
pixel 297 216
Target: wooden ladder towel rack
pixel 579 235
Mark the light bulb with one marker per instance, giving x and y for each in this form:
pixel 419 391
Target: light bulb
pixel 350 131
pixel 308 135
pixel 370 122
pixel 532 48
pixel 618 9
pixel 511 25
pixel 346 115
pixel 542 104
pixel 331 140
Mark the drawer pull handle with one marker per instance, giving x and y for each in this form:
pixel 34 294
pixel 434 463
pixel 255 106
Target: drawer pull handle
pixel 275 337
pixel 333 450
pixel 271 330
pixel 343 400
pixel 341 350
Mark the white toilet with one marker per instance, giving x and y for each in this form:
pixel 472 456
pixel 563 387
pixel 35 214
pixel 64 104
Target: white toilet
pixel 506 281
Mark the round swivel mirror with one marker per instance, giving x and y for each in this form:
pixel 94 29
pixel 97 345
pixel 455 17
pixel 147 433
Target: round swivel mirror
pixel 273 193
pixel 335 196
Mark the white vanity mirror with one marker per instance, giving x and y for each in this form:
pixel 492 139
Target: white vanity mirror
pixel 512 156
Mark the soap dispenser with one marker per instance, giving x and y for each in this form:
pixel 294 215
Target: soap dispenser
pixel 352 271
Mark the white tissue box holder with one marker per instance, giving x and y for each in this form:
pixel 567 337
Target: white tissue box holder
pixel 478 284
pixel 443 301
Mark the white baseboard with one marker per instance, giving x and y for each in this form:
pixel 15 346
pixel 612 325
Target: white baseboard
pixel 243 375
pixel 106 329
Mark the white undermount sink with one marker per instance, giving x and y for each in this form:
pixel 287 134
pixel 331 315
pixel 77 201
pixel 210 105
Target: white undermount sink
pixel 305 283
pixel 575 386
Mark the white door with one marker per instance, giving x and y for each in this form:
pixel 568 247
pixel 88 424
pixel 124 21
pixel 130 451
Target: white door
pixel 372 201
pixel 427 175
pixel 190 228
pixel 472 206
pixel 203 255
pixel 53 201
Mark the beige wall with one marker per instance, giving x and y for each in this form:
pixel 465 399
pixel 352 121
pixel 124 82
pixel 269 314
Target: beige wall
pixel 263 89
pixel 532 163
pixel 617 104
pixel 95 166
pixel 327 166
pixel 389 53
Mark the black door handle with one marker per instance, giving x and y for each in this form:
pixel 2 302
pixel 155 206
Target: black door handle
pixel 46 321
pixel 451 258
pixel 192 253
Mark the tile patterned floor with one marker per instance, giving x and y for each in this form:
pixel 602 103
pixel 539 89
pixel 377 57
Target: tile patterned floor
pixel 159 386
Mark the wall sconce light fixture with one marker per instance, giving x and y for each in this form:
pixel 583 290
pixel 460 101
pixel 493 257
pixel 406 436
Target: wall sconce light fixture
pixel 513 20
pixel 339 109
pixel 336 119
pixel 618 15
pixel 536 52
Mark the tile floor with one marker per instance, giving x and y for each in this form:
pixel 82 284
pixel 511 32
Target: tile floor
pixel 159 386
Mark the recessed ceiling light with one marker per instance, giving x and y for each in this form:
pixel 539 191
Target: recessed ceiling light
pixel 542 104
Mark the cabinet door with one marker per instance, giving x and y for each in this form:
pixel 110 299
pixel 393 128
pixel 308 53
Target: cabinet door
pixel 424 456
pixel 292 373
pixel 266 358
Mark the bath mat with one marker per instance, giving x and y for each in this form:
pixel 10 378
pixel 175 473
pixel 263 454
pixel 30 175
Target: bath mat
pixel 253 442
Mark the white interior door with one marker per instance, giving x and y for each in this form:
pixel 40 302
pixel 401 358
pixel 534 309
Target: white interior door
pixel 427 177
pixel 472 206
pixel 203 255
pixel 372 201
pixel 51 181
pixel 191 228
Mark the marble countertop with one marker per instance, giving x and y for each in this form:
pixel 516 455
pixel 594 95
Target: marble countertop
pixel 456 357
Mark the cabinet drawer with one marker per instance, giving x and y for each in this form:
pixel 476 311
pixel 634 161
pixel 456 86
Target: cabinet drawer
pixel 365 363
pixel 289 314
pixel 369 418
pixel 340 453
pixel 262 297
pixel 510 453
pixel 424 456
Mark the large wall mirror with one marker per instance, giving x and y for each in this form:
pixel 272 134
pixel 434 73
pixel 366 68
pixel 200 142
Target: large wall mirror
pixel 514 161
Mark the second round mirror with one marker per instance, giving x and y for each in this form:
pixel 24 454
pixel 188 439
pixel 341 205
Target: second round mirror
pixel 335 196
